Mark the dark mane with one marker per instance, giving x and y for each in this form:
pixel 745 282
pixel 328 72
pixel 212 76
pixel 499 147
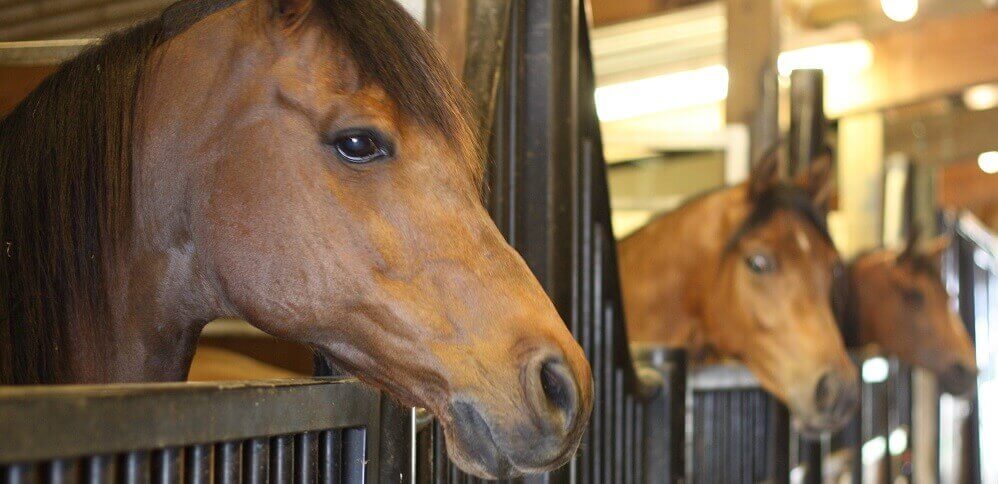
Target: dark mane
pixel 65 169
pixel 65 176
pixel 786 197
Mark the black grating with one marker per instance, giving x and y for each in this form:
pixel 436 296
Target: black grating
pixel 737 436
pixel 327 457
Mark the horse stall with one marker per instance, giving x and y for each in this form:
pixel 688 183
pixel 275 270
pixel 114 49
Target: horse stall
pixel 548 195
pixel 306 430
pixel 531 71
pixel 971 266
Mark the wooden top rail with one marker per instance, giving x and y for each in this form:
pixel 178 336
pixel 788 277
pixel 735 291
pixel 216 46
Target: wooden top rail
pixel 63 421
pixel 41 52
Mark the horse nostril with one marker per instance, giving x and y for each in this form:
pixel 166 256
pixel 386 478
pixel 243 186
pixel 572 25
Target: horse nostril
pixel 558 391
pixel 825 393
pixel 959 379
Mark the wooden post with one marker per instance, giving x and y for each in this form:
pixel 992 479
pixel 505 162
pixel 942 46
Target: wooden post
pixel 752 47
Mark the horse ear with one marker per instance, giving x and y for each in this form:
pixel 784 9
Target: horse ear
pixel 911 244
pixel 290 13
pixel 819 180
pixel 765 173
pixel 935 247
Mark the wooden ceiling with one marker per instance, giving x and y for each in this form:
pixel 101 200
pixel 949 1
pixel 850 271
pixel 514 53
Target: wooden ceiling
pixel 606 12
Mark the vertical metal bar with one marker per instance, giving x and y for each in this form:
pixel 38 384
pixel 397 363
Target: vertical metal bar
pixel 99 469
pixel 281 460
pixel 227 463
pixel 354 455
pixel 197 465
pixel 780 451
pixel 135 468
pixel 306 456
pixel 166 466
pixel 807 118
pixel 20 474
pixel 256 461
pixel 62 471
pixel 331 457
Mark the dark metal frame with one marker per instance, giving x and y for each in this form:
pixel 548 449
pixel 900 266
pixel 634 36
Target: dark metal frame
pixel 548 195
pixel 302 431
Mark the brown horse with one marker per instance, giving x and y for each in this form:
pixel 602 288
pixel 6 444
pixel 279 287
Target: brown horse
pixel 305 165
pixel 746 273
pixel 897 302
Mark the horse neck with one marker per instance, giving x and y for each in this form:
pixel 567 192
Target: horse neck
pixel 666 269
pixel 854 326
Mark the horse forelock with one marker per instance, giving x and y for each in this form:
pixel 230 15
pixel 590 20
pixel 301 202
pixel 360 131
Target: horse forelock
pixel 781 197
pixel 393 51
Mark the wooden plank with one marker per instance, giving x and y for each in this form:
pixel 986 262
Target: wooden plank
pixel 752 46
pixel 963 185
pixel 951 135
pixel 607 12
pixel 911 64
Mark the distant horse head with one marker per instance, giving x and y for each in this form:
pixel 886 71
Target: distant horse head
pixel 308 166
pixel 898 302
pixel 747 273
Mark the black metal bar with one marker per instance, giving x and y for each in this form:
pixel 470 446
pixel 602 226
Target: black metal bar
pixel 62 471
pixel 807 118
pixel 227 463
pixel 281 460
pixel 19 474
pixel 197 465
pixel 166 466
pixel 306 458
pixel 99 469
pixel 331 457
pixel 354 455
pixel 135 468
pixel 256 461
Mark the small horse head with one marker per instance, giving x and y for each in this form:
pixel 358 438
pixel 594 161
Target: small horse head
pixel 771 305
pixel 901 305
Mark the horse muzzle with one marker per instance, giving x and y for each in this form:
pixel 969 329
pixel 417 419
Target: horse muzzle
pixel 538 434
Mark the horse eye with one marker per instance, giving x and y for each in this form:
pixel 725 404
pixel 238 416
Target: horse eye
pixel 913 297
pixel 760 264
pixel 360 147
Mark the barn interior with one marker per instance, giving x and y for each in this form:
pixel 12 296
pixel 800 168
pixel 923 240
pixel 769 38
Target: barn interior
pixel 690 94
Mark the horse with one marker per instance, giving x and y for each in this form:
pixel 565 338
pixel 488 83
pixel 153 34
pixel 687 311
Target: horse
pixel 898 303
pixel 308 166
pixel 746 273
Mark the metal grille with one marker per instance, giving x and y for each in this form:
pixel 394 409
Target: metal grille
pixel 310 431
pixel 737 432
pixel 548 194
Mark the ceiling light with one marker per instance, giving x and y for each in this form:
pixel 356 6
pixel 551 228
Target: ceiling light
pixel 875 370
pixel 988 161
pixel 981 97
pixel 899 10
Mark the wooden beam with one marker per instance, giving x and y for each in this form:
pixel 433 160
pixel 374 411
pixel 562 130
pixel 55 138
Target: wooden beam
pixel 607 12
pixel 952 135
pixel 911 64
pixel 753 94
pixel 962 184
